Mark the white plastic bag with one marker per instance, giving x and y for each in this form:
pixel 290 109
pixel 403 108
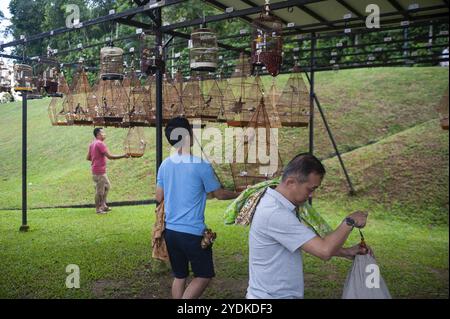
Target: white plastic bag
pixel 364 280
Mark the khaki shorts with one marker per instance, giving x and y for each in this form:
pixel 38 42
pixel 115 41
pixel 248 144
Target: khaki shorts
pixel 102 184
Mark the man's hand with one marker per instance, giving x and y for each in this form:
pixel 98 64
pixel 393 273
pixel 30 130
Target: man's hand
pixel 351 252
pixel 360 219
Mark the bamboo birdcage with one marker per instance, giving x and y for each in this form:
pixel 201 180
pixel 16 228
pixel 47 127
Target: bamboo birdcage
pixel 112 102
pixel 192 98
pixel 171 101
pixel 134 144
pixel 267 43
pixel 293 105
pixel 82 106
pixel 214 106
pixel 252 169
pixel 23 77
pixel 50 78
pixel 173 104
pixel 151 57
pixel 203 51
pixel 140 102
pixel 244 93
pixel 111 63
pixel 443 111
pixel 59 107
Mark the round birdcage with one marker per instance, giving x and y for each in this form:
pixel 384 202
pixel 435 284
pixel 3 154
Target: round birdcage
pixel 51 77
pixel 267 42
pixel 134 144
pixel 151 59
pixel 111 63
pixel 203 51
pixel 23 77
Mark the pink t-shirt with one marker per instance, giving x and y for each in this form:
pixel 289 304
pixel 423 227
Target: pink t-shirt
pixel 97 151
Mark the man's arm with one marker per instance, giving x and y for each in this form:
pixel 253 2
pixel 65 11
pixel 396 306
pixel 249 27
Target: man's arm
pixel 331 245
pixel 88 157
pixel 115 157
pixel 223 194
pixel 159 196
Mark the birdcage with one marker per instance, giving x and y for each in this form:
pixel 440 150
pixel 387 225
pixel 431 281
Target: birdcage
pixel 242 97
pixel 50 78
pixel 256 156
pixel 293 106
pixel 171 100
pixel 267 41
pixel 23 77
pixel 443 111
pixel 134 144
pixel 151 57
pixel 111 63
pixel 5 78
pixel 141 113
pixel 82 106
pixel 113 104
pixel 214 105
pixel 203 50
pixel 37 88
pixel 59 107
pixel 192 98
pixel 173 104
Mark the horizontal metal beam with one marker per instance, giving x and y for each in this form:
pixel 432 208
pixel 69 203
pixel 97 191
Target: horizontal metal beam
pixel 85 24
pixel 238 14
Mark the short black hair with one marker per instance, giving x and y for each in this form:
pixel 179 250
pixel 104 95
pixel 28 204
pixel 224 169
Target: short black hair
pixel 302 165
pixel 97 130
pixel 177 123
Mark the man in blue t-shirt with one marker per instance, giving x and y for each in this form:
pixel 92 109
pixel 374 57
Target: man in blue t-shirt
pixel 183 183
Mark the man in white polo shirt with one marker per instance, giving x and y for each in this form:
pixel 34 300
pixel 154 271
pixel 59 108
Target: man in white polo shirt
pixel 277 237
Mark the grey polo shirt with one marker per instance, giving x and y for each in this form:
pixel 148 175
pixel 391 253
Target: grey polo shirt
pixel 275 260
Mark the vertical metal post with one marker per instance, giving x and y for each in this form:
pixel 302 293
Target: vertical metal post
pixel 311 98
pixel 405 42
pixel 24 226
pixel 330 135
pixel 311 95
pixel 159 93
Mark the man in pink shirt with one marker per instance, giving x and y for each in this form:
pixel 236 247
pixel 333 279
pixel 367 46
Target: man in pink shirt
pixel 97 155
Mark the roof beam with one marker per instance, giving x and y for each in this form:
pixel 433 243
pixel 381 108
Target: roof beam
pixel 146 26
pixel 398 7
pixel 85 24
pixel 351 9
pixel 314 14
pixel 239 13
pixel 253 4
pixel 221 6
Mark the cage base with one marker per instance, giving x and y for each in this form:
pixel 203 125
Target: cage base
pixel 445 124
pixel 295 124
pixel 112 76
pixel 22 89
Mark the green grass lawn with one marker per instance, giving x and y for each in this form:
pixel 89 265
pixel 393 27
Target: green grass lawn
pixel 114 256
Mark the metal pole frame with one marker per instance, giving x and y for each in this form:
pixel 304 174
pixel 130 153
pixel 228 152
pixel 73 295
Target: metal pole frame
pixel 159 92
pixel 24 227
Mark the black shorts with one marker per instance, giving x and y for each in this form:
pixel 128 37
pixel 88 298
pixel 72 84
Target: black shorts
pixel 186 248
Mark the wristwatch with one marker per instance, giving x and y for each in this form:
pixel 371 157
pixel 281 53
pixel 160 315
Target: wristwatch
pixel 350 221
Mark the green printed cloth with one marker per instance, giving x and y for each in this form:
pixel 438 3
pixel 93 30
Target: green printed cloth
pixel 241 210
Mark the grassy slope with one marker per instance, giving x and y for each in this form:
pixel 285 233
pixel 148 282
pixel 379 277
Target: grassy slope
pixel 406 174
pixel 114 256
pixel 363 106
